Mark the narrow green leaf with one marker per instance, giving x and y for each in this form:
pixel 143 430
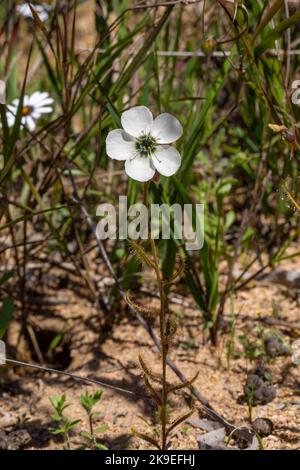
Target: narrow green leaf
pixel 6 314
pixel 275 33
pixel 6 276
pixel 271 12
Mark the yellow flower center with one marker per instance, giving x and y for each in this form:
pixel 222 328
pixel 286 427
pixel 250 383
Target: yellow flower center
pixel 26 110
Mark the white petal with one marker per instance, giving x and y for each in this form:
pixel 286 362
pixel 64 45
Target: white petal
pixel 11 115
pixel 166 128
pixel 10 119
pixel 35 98
pixel 137 120
pixel 45 102
pixel 35 114
pixel 16 101
pixel 29 123
pixel 24 10
pixel 139 168
pixel 43 94
pixel 43 16
pixel 11 109
pixel 119 145
pixel 44 110
pixel 166 160
pixel 26 100
pixel 42 12
pixel 40 99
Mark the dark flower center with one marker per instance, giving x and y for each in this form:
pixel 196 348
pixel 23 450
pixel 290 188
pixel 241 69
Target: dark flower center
pixel 26 110
pixel 145 145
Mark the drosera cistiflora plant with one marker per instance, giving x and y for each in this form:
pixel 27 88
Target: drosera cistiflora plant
pixel 226 80
pixel 143 156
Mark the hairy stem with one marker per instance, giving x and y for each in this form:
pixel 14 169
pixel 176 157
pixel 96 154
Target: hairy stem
pixel 91 426
pixel 162 325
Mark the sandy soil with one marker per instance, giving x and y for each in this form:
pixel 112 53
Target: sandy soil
pixel 24 393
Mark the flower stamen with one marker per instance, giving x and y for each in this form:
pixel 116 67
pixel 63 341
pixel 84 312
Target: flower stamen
pixel 145 145
pixel 26 110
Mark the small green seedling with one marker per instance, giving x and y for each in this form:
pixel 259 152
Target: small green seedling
pixel 65 426
pixel 88 401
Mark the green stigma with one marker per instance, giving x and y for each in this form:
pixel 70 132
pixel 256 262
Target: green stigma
pixel 145 145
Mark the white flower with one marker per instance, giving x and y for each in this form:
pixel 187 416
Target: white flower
pixel 143 143
pixel 41 10
pixel 34 107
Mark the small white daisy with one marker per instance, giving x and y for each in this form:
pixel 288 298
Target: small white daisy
pixel 143 143
pixel 34 107
pixel 41 10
